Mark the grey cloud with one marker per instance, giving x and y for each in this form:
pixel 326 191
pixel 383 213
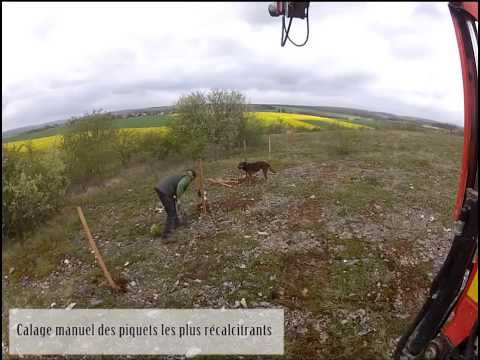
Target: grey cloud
pixel 394 31
pixel 54 105
pixel 310 89
pixel 380 102
pixel 117 80
pixel 228 47
pixel 254 13
pixel 95 70
pixel 429 9
pixel 57 84
pixel 73 96
pixel 118 57
pixel 44 29
pixel 258 75
pixel 250 75
pixel 323 10
pixel 111 59
pixel 409 50
pixel 424 15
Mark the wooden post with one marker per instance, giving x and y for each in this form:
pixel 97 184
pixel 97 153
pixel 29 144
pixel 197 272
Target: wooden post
pixel 269 148
pixel 202 187
pixel 98 256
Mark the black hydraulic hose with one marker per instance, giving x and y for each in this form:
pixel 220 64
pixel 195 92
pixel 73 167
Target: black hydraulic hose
pixel 286 31
pixel 308 32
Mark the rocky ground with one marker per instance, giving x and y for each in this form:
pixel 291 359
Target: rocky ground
pixel 346 239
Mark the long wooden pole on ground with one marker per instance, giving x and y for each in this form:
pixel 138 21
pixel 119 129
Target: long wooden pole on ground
pixel 97 253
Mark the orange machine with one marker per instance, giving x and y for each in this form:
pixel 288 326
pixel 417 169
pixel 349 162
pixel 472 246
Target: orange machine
pixel 446 326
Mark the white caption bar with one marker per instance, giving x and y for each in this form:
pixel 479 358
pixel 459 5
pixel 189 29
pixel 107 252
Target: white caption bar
pixel 146 332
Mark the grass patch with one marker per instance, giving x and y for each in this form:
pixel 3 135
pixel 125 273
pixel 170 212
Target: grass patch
pixel 354 197
pixel 38 255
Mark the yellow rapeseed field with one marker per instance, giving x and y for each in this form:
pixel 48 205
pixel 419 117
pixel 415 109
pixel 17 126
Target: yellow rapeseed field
pixel 264 117
pixel 295 120
pixel 49 142
pixel 37 144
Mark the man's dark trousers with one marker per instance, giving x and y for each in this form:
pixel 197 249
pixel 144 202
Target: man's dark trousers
pixel 169 203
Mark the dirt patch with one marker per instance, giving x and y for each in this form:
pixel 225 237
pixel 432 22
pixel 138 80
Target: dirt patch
pixel 231 203
pixel 308 214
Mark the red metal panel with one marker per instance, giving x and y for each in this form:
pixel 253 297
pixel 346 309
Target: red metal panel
pixel 469 94
pixel 464 315
pixel 471 7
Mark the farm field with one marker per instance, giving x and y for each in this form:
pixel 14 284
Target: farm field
pixel 302 121
pixel 146 121
pixel 45 143
pixel 50 137
pixel 346 238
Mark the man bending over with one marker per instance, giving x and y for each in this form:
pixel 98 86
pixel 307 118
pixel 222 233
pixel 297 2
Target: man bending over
pixel 169 190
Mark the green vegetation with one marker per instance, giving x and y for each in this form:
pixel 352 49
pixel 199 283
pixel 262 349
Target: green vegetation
pixel 33 189
pixel 36 134
pixel 209 123
pixel 136 122
pixel 89 146
pixel 144 121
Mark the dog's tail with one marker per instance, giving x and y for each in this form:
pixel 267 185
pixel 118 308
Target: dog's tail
pixel 273 171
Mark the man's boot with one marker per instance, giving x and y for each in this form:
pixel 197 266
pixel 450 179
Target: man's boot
pixel 169 227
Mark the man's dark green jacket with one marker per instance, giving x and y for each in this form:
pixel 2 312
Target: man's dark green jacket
pixel 174 185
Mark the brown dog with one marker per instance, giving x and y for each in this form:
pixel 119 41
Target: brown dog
pixel 252 168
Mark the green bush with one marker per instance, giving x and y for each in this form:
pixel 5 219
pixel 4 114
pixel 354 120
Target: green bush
pixel 209 123
pixel 154 145
pixel 90 147
pixel 126 145
pixel 33 189
pixel 252 131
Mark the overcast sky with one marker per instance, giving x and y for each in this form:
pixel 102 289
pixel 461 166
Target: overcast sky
pixel 60 60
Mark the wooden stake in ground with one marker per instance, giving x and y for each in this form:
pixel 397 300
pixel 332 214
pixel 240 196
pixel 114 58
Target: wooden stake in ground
pixel 201 186
pixel 98 256
pixel 269 148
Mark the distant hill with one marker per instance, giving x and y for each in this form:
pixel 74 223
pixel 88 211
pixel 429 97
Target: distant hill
pixel 150 110
pixel 359 115
pixel 32 128
pixel 351 113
